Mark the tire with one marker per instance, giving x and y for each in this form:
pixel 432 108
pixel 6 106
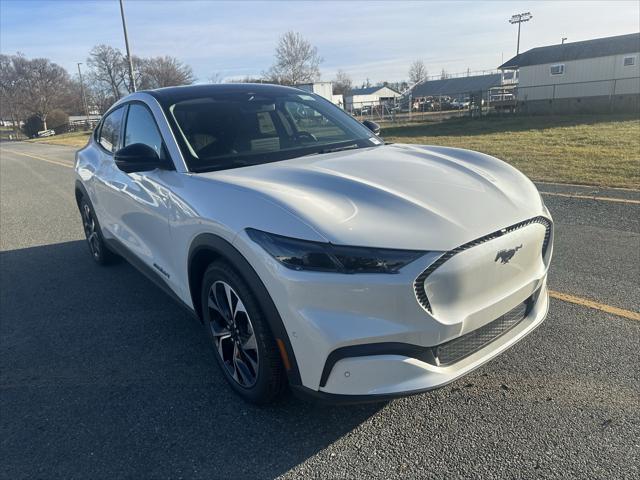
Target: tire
pixel 97 247
pixel 243 344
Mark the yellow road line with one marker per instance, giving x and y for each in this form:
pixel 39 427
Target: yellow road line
pixel 36 157
pixel 593 197
pixel 585 302
pixel 584 185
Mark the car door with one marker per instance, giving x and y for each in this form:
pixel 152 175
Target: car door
pixel 136 205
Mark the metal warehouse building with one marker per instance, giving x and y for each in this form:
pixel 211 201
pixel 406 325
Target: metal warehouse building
pixel 456 87
pixel 591 76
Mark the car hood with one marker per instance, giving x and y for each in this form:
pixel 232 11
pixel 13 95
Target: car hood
pixel 395 196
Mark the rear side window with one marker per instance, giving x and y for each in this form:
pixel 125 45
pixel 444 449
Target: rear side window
pixel 110 130
pixel 141 128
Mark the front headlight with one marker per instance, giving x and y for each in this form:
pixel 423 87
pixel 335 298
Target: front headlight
pixel 326 257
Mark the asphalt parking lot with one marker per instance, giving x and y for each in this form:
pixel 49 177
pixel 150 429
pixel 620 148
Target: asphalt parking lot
pixel 103 376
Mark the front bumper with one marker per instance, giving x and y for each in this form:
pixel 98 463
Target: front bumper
pixel 387 375
pixel 387 333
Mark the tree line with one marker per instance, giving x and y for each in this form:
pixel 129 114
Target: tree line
pixel 41 94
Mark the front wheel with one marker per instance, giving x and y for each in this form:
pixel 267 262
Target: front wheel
pixel 244 346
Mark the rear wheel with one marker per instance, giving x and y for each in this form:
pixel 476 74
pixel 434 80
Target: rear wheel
pixel 244 346
pixel 99 251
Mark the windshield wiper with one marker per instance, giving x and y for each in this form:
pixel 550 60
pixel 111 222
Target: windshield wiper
pixel 338 149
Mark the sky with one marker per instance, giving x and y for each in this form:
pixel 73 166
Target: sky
pixel 377 40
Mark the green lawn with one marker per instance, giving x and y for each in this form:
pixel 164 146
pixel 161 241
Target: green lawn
pixel 586 149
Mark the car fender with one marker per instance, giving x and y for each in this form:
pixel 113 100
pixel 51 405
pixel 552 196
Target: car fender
pixel 218 247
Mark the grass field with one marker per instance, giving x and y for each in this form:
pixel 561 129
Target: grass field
pixel 587 149
pixel 75 139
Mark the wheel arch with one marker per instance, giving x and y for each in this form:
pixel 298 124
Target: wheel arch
pixel 207 248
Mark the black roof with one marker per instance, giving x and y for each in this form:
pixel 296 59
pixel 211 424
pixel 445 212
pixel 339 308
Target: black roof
pixel 170 95
pixel 599 47
pixel 456 86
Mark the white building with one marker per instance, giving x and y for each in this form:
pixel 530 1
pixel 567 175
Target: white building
pixel 369 97
pixel 324 89
pixel 594 75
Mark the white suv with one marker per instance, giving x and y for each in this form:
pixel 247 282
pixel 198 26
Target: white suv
pixel 315 254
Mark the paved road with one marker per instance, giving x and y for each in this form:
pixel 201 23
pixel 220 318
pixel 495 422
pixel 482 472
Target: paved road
pixel 102 376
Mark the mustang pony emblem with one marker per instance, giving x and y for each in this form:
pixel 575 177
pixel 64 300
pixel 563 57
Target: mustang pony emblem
pixel 506 255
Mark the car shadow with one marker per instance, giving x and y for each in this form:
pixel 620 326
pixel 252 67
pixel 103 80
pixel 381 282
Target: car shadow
pixel 102 375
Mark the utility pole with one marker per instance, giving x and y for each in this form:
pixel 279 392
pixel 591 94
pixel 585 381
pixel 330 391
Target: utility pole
pixel 519 19
pixel 126 43
pixel 84 98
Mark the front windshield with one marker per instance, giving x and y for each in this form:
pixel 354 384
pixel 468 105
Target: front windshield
pixel 239 129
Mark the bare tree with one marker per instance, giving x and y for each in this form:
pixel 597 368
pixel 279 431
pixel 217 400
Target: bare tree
pixel 216 77
pixel 10 104
pixel 43 85
pixel 342 83
pixel 247 79
pixel 417 72
pixel 98 99
pixel 297 61
pixel 164 71
pixel 108 70
pixel 71 101
pixel 108 76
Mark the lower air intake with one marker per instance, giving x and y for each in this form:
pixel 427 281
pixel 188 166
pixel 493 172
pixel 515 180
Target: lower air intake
pixel 461 347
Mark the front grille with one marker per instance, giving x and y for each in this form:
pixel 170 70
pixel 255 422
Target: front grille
pixel 461 347
pixel 418 284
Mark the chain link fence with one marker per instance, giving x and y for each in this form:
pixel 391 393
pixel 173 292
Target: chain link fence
pixel 602 96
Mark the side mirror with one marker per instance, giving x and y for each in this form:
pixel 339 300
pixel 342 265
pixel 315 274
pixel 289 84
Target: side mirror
pixel 373 126
pixel 137 157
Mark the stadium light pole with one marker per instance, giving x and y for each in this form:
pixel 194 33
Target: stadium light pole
pixel 519 18
pixel 126 43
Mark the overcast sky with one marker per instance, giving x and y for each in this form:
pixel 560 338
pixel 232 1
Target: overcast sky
pixel 367 39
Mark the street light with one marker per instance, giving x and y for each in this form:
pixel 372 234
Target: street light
pixel 84 98
pixel 126 43
pixel 519 19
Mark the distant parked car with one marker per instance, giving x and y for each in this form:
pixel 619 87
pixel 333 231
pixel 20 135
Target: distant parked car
pixel 46 133
pixel 460 104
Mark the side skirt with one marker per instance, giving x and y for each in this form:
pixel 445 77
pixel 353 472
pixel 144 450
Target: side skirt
pixel 148 272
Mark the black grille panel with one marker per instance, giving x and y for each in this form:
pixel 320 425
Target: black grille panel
pixel 418 284
pixel 461 347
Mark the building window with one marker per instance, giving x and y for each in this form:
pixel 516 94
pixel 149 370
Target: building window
pixel 629 61
pixel 557 69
